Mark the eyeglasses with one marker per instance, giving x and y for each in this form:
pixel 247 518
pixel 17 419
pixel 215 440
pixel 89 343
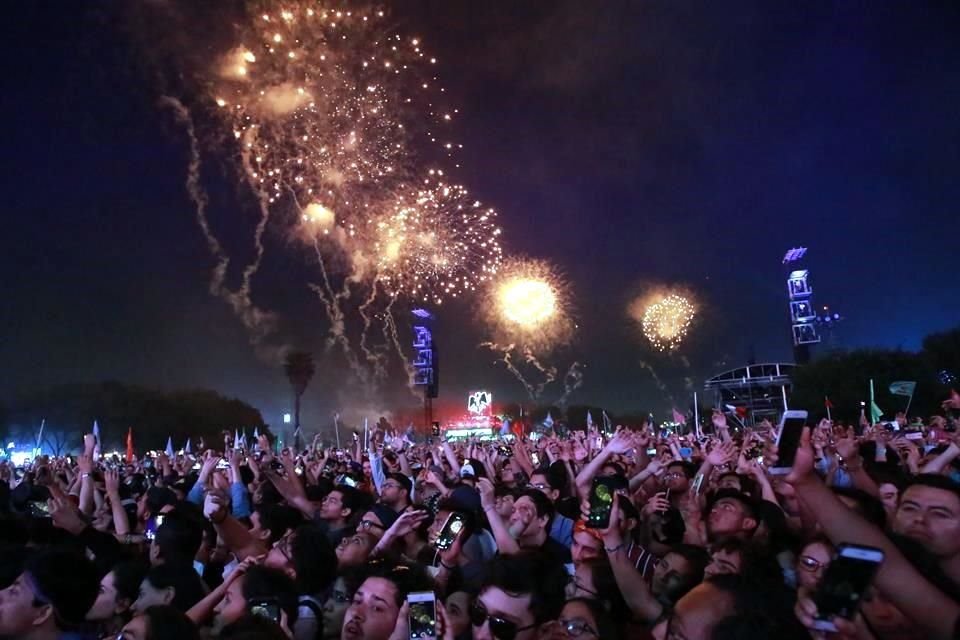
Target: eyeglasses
pixel 810 564
pixel 500 628
pixel 578 627
pixel 541 486
pixel 391 485
pixel 673 475
pixel 368 524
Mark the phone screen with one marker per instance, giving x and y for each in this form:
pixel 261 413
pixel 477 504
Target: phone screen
pixel 423 615
pixel 38 509
pixel 686 452
pixel 269 609
pixel 791 428
pixel 601 502
pixel 845 582
pixel 451 529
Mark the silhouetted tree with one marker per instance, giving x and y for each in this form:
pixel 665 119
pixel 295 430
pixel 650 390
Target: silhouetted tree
pixel 300 369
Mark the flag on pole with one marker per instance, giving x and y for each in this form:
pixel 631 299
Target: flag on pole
pixel 903 388
pixel 39 443
pixel 96 441
pixel 589 420
pixel 548 421
pixel 169 451
pixel 130 445
pixel 875 411
pixel 188 448
pixel 678 417
pixel 236 438
pixel 607 422
pixel 829 406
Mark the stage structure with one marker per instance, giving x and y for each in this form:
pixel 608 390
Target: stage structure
pixel 478 421
pixel 761 389
pixel 426 372
pixel 803 317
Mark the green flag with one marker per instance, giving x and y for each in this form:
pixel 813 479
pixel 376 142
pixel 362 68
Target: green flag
pixel 875 411
pixel 903 388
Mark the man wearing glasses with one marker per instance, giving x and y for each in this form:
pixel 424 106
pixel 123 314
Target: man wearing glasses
pixel 395 492
pixel 521 593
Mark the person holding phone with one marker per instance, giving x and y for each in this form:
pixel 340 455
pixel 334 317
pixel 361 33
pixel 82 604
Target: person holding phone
pixel 375 610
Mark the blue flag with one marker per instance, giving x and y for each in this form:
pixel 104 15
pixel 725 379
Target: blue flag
pixel 903 388
pixel 170 452
pixel 188 449
pixel 548 421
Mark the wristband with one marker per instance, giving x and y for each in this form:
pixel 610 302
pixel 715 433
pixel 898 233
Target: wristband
pixel 613 549
pixel 445 566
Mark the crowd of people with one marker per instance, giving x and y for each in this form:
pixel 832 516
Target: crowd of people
pixel 640 533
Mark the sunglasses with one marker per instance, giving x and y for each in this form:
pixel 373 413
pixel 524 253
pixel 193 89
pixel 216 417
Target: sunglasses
pixel 500 628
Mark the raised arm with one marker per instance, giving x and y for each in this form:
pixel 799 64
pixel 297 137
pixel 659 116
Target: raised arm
pixel 506 543
pixel 903 585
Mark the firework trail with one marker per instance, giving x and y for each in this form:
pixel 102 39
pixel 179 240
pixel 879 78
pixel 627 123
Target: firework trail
pixel 572 381
pixel 656 379
pixel 393 339
pixel 506 358
pixel 376 360
pixel 258 322
pixel 549 373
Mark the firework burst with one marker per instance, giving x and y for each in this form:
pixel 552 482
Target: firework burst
pixel 527 305
pixel 436 242
pixel 665 318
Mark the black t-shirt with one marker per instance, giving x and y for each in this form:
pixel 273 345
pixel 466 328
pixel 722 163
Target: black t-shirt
pixel 557 551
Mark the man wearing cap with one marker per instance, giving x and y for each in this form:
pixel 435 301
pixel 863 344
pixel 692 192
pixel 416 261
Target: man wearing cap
pixel 50 599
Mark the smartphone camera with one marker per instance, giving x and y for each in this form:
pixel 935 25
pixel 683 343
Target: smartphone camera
pixel 267 608
pixel 451 529
pixel 423 615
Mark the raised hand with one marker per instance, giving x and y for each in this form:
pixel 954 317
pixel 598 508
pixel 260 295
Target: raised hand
pixel 803 463
pixel 657 503
pixel 620 443
pixel 214 507
pixel 65 516
pixel 719 420
pixel 722 454
pixel 487 499
pixel 111 482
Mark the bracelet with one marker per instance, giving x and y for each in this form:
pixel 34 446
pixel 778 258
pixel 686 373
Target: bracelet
pixel 613 549
pixel 447 567
pixel 84 476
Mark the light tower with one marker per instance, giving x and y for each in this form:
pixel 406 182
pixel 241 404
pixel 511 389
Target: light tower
pixel 426 372
pixel 802 314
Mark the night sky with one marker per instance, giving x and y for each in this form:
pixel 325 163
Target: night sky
pixel 633 144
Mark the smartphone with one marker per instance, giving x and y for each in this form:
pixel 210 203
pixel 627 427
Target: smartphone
pixel 196 467
pixel 423 615
pixel 268 608
pixel 150 529
pixel 506 452
pixel 914 435
pixel 38 509
pixel 788 440
pixel 602 493
pixel 652 451
pixel 686 452
pixel 223 464
pixel 844 583
pixel 451 529
pixel 891 426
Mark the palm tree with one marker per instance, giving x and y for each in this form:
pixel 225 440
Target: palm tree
pixel 300 369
